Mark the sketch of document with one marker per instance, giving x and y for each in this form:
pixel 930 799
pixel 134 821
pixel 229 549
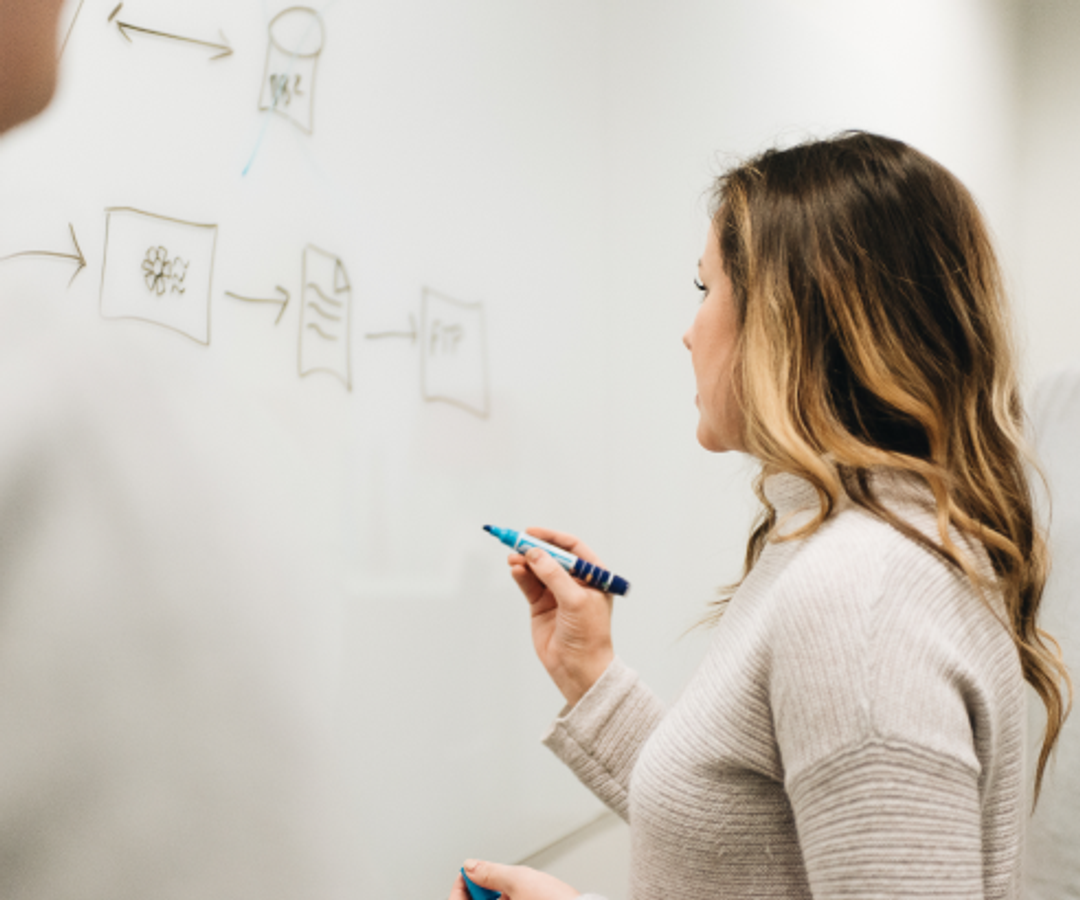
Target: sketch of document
pixel 325 316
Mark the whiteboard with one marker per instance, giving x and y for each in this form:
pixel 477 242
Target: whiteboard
pixel 362 246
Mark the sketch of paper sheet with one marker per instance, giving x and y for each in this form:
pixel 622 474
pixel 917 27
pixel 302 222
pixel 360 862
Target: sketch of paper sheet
pixel 453 355
pixel 325 316
pixel 159 270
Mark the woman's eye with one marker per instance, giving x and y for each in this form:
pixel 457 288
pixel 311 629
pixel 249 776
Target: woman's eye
pixel 699 285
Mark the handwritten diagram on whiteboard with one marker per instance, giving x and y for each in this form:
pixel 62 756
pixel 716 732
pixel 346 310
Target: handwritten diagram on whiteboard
pixel 325 316
pixel 292 57
pixel 453 353
pixel 159 270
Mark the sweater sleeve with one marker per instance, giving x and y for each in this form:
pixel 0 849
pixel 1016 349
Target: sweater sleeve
pixel 890 820
pixel 600 737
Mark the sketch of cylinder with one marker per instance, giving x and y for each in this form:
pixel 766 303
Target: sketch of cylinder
pixel 453 353
pixel 159 270
pixel 325 316
pixel 288 88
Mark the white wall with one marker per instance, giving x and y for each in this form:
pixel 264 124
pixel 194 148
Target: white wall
pixel 1049 144
pixel 1048 133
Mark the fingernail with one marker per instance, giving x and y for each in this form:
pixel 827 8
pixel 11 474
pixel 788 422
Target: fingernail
pixel 534 554
pixel 471 864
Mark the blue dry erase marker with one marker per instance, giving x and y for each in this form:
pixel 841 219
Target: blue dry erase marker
pixel 592 575
pixel 477 892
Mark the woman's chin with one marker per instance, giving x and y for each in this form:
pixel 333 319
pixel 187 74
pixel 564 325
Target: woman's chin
pixel 717 443
pixel 708 440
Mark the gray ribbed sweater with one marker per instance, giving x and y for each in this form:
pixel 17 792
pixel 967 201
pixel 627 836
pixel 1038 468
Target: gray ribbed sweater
pixel 855 729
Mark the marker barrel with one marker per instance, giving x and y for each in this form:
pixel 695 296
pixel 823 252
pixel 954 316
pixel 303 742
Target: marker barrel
pixel 590 574
pixel 596 577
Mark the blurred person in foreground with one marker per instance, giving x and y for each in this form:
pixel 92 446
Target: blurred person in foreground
pixel 157 738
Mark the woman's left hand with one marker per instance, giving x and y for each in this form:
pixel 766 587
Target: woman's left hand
pixel 515 883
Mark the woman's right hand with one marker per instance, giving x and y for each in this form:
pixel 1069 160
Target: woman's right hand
pixel 571 623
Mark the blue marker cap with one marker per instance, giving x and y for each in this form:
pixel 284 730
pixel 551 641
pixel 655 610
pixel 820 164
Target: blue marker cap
pixel 477 892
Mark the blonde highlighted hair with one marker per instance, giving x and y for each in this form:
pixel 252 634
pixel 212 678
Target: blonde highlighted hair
pixel 874 334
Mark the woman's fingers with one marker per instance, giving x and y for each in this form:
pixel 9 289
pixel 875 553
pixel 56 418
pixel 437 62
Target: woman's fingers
pixel 554 577
pixel 567 542
pixel 531 586
pixel 459 891
pixel 537 573
pixel 519 882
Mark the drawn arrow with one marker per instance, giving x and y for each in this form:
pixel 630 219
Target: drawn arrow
pixel 125 27
pixel 284 293
pixel 411 334
pixel 71 27
pixel 77 257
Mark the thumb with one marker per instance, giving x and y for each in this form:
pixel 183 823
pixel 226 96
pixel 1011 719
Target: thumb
pixel 493 876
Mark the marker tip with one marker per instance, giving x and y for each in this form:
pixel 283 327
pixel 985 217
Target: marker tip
pixel 487 528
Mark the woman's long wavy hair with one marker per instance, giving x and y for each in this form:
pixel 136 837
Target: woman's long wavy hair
pixel 874 334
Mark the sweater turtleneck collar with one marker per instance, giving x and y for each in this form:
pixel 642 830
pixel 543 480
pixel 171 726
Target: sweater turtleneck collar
pixel 790 493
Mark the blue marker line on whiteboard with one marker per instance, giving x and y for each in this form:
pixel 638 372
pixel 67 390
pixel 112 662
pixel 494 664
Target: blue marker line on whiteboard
pixel 592 575
pixel 477 892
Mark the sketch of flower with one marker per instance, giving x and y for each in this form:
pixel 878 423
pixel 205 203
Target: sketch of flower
pixel 157 269
pixel 160 272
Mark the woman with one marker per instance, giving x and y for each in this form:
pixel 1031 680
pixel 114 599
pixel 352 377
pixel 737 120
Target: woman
pixel 856 727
